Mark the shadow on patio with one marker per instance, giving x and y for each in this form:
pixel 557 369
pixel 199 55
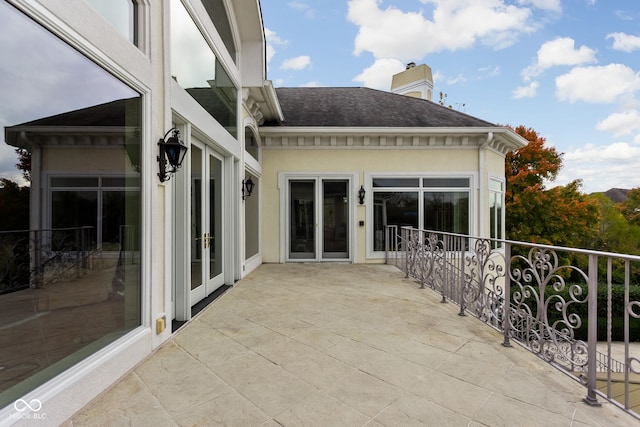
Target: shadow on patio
pixel 341 345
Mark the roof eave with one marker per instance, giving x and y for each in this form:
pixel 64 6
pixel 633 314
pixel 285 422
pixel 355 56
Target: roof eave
pixel 306 130
pixel 500 139
pixel 265 99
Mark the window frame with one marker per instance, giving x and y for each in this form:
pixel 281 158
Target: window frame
pixel 497 218
pixel 223 63
pixel 100 189
pixel 421 189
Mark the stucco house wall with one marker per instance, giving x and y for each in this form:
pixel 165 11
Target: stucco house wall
pixel 434 162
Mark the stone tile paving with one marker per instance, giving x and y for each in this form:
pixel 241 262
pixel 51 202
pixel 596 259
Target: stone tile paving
pixel 341 345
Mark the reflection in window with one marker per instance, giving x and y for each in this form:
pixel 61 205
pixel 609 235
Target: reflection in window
pixel 496 211
pixel 396 182
pixel 251 144
pixel 121 14
pixel 103 209
pixel 252 219
pixel 446 211
pixel 446 182
pixel 218 14
pixel 434 203
pixel 393 208
pixel 70 268
pixel 196 69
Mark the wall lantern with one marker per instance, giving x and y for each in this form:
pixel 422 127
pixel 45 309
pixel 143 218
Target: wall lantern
pixel 172 151
pixel 361 193
pixel 247 187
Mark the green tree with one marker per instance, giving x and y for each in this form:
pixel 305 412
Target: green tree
pixel 24 162
pixel 630 208
pixel 615 233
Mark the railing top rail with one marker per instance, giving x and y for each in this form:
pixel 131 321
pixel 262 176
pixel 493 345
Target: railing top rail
pixel 47 229
pixel 536 245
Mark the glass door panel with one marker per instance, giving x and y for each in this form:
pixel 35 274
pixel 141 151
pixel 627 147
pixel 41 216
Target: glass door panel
pixel 215 217
pixel 302 220
pixel 335 219
pixel 196 217
pixel 206 240
pixel 319 218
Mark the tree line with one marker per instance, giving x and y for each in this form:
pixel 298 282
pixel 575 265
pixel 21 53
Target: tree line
pixel 563 215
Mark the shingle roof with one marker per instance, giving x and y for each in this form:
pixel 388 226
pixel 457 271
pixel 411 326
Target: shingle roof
pixel 120 113
pixel 364 107
pixel 112 113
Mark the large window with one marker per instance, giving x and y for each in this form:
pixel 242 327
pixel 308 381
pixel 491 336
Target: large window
pixel 70 256
pixel 196 69
pixel 440 204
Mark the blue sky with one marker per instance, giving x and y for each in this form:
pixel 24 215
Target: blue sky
pixel 570 69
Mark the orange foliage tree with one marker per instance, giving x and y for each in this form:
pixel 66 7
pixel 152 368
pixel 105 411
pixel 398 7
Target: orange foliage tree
pixel 561 215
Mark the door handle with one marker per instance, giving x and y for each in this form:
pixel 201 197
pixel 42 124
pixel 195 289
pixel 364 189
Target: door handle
pixel 206 238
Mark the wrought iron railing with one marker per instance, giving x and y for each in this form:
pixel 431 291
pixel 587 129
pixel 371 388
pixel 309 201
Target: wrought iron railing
pixel 546 298
pixel 34 258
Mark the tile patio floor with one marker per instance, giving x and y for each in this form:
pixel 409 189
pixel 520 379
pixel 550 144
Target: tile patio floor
pixel 341 345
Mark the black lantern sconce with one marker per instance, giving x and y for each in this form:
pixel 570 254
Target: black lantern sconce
pixel 361 194
pixel 247 187
pixel 172 151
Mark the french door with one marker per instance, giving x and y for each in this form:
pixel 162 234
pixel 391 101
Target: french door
pixel 206 234
pixel 319 218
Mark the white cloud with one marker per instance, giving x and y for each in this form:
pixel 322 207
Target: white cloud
pixel 560 51
pixel 378 75
pixel 437 77
pixel 297 63
pixel 528 91
pixel 597 84
pixel 617 152
pixel 602 167
pixel 625 123
pixel 487 72
pixel 272 40
pixel 313 83
pixel 308 11
pixel 625 15
pixel 457 79
pixel 624 42
pixel 454 24
pixel 553 5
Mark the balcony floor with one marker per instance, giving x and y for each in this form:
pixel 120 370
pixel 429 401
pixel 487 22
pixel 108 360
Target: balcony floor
pixel 341 345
